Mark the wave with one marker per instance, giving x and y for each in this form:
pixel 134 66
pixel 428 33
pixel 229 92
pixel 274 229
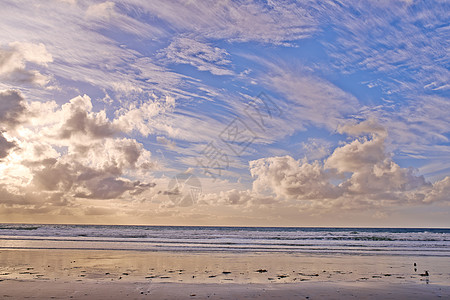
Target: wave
pixel 178 238
pixel 20 228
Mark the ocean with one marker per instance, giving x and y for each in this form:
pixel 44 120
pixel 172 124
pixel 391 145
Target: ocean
pixel 317 240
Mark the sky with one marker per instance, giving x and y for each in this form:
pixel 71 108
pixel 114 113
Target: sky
pixel 237 113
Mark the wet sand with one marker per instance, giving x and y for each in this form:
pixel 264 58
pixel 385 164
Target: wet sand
pixel 105 274
pixel 140 290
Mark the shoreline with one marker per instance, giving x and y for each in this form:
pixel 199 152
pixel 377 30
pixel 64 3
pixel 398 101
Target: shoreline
pixel 249 251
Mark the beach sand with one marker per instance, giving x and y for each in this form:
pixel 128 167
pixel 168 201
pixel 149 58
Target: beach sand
pixel 141 290
pixel 106 274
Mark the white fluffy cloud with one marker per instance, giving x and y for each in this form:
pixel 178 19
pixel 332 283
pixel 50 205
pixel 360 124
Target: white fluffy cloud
pixel 80 120
pixel 287 177
pixel 361 171
pixel 59 154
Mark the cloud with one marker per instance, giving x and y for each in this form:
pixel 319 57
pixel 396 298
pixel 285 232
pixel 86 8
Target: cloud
pixel 370 126
pixel 84 52
pixel 440 191
pixel 200 55
pixel 315 148
pixel 66 153
pixel 238 198
pixel 78 119
pixel 112 188
pixel 312 100
pixel 164 141
pixel 5 146
pixel 362 152
pixel 275 22
pixel 359 173
pixel 101 10
pixel 14 59
pixel 417 130
pixel 142 57
pixel 12 108
pixel 404 44
pixel 12 111
pixel 374 174
pixel 287 177
pixel 98 176
pixel 107 15
pixel 144 117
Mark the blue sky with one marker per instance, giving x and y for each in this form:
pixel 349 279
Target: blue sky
pixel 104 102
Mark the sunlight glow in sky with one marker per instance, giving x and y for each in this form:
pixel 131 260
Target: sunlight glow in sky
pixel 269 113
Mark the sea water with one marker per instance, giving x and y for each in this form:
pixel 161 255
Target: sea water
pixel 317 240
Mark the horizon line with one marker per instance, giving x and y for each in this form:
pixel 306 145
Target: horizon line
pixel 232 226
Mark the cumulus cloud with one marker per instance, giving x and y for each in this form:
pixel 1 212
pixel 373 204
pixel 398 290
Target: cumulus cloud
pixel 288 177
pixel 66 153
pixel 359 172
pixel 80 120
pixel 14 59
pixel 97 176
pixel 374 174
pixel 361 152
